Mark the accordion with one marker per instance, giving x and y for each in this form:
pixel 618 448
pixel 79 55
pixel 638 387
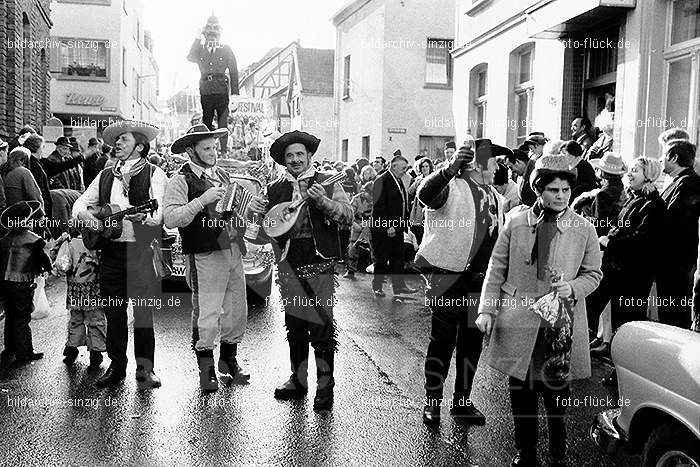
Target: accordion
pixel 235 200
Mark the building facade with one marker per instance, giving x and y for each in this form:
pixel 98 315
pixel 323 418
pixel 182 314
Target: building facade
pixel 536 65
pixel 310 96
pixel 393 78
pixel 103 66
pixel 25 27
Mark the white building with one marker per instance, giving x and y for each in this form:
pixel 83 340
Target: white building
pixel 537 64
pixel 393 77
pixel 102 65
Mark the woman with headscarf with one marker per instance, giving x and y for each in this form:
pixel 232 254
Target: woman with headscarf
pixel 544 248
pixel 604 204
pixel 631 252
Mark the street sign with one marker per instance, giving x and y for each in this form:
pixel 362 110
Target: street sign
pixel 396 130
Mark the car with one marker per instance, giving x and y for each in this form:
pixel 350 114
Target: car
pixel 258 261
pixel 658 372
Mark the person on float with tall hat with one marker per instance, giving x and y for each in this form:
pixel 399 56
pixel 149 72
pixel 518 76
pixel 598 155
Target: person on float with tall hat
pixel 306 272
pixel 126 266
pixel 214 59
pixel 214 249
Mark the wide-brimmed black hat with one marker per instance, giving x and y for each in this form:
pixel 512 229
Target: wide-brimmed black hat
pixel 195 134
pixel 277 149
pixel 21 215
pixel 63 141
pixel 485 150
pixel 118 128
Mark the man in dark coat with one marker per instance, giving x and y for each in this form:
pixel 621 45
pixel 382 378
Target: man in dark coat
pixel 580 132
pixel 213 59
pixel 586 179
pixel 390 214
pixel 682 198
pixel 44 169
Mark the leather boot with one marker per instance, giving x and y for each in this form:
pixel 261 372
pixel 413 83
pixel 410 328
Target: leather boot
pixel 71 354
pixel 228 365
pixel 113 376
pixel 207 373
pixel 296 386
pixel 325 381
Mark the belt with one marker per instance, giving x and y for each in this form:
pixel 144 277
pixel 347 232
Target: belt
pixel 210 77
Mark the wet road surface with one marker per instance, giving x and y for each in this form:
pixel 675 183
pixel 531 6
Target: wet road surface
pixel 51 414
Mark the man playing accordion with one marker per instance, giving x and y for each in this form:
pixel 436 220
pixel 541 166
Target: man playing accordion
pixel 213 245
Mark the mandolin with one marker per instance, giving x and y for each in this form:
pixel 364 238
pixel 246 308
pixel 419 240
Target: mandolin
pixel 110 223
pixel 283 216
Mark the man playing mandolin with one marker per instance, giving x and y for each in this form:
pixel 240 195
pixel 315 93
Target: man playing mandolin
pixel 214 249
pixel 126 268
pixel 306 273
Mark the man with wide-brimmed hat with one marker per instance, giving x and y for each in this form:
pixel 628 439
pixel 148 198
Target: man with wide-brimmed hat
pixel 213 59
pixel 306 272
pixel 463 217
pixel 22 258
pixel 126 265
pixel 214 246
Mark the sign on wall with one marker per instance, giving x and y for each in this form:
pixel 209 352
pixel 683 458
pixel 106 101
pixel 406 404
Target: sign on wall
pixel 94 100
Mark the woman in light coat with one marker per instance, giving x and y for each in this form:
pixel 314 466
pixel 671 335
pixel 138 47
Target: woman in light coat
pixel 521 345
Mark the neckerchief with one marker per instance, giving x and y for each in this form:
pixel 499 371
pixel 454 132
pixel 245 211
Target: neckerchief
pixel 296 192
pixel 125 178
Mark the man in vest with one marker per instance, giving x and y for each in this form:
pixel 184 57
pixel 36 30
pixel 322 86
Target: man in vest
pixel 213 59
pixel 464 215
pixel 126 266
pixel 306 271
pixel 213 245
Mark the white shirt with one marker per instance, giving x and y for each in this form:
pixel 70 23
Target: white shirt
pixel 91 198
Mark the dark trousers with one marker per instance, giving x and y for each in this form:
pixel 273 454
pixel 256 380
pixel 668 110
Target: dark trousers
pixel 448 295
pixel 675 292
pixel 523 400
pixel 19 303
pixel 628 294
pixel 308 306
pixel 388 259
pixel 126 271
pixel 216 103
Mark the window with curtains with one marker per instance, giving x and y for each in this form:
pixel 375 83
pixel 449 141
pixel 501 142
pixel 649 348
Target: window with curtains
pixel 81 59
pixel 346 77
pixel 522 60
pixel 438 63
pixel 478 88
pixel 682 66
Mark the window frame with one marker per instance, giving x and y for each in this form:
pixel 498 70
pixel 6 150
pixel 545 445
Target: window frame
pixel 346 76
pixel 477 101
pixel 366 146
pixel 519 89
pixel 344 149
pixel 676 52
pixel 57 71
pixel 449 64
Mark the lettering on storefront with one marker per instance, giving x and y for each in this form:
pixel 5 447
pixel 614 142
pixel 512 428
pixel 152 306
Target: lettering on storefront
pixel 94 100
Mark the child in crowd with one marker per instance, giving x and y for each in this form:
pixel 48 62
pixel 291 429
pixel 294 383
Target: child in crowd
pixel 22 259
pixel 359 233
pixel 87 324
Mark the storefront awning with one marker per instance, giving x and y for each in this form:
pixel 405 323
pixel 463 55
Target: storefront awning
pixel 553 19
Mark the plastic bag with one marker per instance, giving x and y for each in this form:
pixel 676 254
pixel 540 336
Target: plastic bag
pixel 41 302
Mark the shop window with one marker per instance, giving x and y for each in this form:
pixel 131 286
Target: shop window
pixel 344 150
pixel 523 89
pixel 346 77
pixel 83 59
pixel 438 67
pixel 365 146
pixel 477 98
